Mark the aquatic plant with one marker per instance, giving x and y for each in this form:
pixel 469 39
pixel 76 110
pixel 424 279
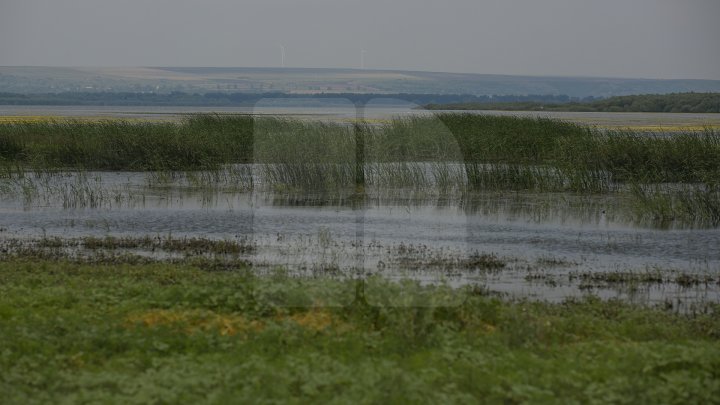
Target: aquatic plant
pixel 199 142
pixel 206 141
pixel 691 204
pixel 447 154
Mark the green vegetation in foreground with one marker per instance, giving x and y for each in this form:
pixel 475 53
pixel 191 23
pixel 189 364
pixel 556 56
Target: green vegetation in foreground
pixel 162 333
pixel 669 103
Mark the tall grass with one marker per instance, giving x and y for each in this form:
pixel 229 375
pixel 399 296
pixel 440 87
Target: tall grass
pixel 495 152
pixel 495 139
pixel 200 142
pixel 653 157
pixel 306 156
pixel 685 204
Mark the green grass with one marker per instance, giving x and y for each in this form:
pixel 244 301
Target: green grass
pixel 207 140
pixel 584 154
pixel 200 142
pixel 168 334
pixel 678 204
pixel 497 153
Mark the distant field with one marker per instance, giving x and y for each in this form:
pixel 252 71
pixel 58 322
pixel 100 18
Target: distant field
pixel 23 119
pixel 660 103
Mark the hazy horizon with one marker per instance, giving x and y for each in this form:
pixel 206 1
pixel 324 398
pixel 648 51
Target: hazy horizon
pixel 654 39
pixel 291 68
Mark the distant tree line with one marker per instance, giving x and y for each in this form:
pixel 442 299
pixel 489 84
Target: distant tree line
pixel 670 103
pixel 251 99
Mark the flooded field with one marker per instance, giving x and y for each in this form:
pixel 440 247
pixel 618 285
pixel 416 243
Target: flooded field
pixel 547 246
pixel 520 207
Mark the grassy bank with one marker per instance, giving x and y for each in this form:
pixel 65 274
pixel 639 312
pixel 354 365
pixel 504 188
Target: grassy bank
pixel 162 333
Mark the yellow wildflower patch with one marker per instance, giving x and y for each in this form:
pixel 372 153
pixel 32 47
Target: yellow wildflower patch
pixel 193 321
pixel 476 324
pixel 18 119
pixel 29 119
pixel 667 128
pixel 316 320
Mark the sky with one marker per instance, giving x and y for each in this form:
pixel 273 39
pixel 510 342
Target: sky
pixel 610 38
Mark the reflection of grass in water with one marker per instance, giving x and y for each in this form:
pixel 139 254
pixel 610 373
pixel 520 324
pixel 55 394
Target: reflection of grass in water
pixel 235 178
pixel 678 205
pixel 632 281
pixel 186 245
pixel 649 277
pixel 76 189
pixel 181 334
pixel 423 261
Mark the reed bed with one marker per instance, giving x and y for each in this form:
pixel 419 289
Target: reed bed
pixel 495 153
pixel 199 142
pixel 682 203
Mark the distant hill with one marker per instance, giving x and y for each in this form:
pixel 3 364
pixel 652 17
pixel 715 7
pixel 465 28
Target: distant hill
pixel 675 103
pixel 222 99
pixel 201 80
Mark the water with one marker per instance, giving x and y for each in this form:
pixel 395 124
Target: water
pixel 547 241
pixel 543 240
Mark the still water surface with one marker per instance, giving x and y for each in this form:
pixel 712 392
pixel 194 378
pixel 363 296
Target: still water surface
pixel 547 241
pixel 543 239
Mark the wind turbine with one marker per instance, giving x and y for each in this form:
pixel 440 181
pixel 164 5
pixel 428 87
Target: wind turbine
pixel 282 55
pixel 362 59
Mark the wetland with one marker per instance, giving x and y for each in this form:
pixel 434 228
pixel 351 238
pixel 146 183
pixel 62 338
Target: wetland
pixel 382 250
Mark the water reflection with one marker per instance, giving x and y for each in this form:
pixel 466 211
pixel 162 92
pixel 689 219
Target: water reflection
pixel 393 232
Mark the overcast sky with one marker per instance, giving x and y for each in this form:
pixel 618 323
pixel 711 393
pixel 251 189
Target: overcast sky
pixel 612 38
